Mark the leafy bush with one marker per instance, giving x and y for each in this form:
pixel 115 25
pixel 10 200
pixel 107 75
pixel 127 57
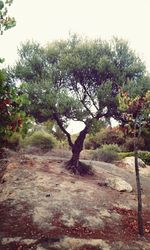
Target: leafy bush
pixel 129 144
pixel 125 154
pixel 143 155
pixel 14 141
pixel 104 136
pixel 41 139
pixel 146 137
pixel 107 153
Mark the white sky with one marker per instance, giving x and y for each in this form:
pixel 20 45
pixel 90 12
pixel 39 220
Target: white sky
pixel 47 20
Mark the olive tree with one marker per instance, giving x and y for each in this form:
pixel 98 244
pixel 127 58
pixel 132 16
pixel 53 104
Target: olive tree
pixel 76 79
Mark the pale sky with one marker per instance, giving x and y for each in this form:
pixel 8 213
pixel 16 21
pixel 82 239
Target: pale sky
pixel 46 20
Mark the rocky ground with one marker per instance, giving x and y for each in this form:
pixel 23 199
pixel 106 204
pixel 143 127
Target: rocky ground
pixel 43 206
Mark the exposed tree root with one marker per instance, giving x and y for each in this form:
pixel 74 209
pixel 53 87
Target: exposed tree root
pixel 80 169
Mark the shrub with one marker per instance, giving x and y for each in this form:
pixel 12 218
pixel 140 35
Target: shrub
pixel 143 155
pixel 107 153
pixel 129 144
pixel 41 139
pixel 104 136
pixel 14 141
pixel 125 154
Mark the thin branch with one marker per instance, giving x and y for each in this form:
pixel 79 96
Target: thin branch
pixel 60 124
pixel 87 109
pixel 85 89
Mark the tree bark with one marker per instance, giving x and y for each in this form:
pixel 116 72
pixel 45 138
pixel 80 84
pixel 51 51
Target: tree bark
pixel 139 194
pixel 74 164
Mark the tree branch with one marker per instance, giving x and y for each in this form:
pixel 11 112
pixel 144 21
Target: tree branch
pixel 85 89
pixel 60 124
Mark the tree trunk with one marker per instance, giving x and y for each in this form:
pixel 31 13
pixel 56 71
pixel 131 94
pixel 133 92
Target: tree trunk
pixel 139 194
pixel 74 161
pixel 74 164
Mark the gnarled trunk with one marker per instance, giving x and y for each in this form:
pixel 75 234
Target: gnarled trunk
pixel 74 164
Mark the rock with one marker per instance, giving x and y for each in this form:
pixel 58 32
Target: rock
pixel 130 161
pixel 118 184
pixel 28 241
pixel 93 222
pixel 104 213
pixel 43 217
pixel 39 247
pixel 12 165
pixel 8 240
pixel 68 220
pixel 75 243
pixel 101 184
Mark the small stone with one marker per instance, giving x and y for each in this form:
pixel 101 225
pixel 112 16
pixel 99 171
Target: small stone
pixel 102 184
pixel 105 213
pixel 48 195
pixel 28 241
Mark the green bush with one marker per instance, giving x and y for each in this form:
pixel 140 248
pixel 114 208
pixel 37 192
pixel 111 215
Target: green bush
pixel 14 141
pixel 107 153
pixel 125 154
pixel 143 155
pixel 104 136
pixel 41 139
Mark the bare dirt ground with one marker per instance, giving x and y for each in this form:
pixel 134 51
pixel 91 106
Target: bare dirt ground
pixel 43 206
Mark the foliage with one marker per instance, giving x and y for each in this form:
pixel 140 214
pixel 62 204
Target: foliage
pixel 125 154
pixel 145 134
pixel 76 79
pixel 115 135
pixel 40 139
pixel 129 144
pixel 134 102
pixel 13 119
pixel 107 153
pixel 48 126
pixel 106 135
pixel 14 141
pixel 94 141
pixel 135 106
pixel 6 22
pixel 73 76
pixel 143 155
pixel 97 125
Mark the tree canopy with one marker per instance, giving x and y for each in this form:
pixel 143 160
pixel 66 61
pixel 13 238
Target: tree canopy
pixel 76 79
